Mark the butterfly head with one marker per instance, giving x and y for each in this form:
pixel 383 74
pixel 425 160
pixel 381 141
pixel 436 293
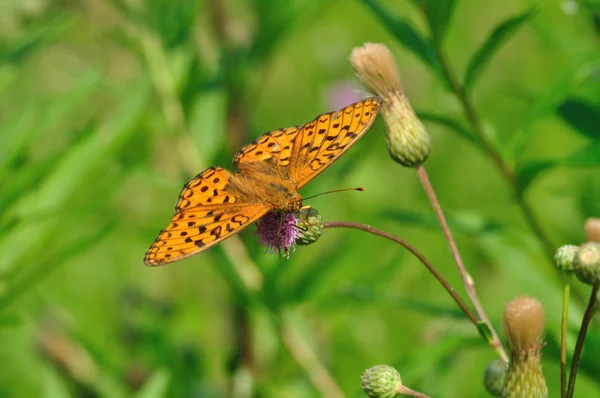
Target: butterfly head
pixel 294 204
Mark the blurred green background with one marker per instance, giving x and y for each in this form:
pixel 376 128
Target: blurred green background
pixel 108 107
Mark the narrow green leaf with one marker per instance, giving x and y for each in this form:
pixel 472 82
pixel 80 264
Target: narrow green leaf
pixel 578 72
pixel 496 39
pixel 583 116
pixel 588 156
pixel 527 172
pixel 438 14
pixel 484 331
pixel 406 34
pixel 70 174
pixel 465 223
pixel 451 124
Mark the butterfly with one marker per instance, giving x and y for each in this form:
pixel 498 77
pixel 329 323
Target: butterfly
pixel 217 203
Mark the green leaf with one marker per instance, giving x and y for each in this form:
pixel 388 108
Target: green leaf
pixel 578 72
pixel 588 156
pixel 438 14
pixel 484 331
pixel 530 170
pixel 469 224
pixel 583 116
pixel 406 34
pixel 451 124
pixel 80 164
pixel 497 38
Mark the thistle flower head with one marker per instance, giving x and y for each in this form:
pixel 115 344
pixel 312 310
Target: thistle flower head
pixel 587 263
pixel 381 381
pixel 407 141
pixel 376 68
pixel 311 225
pixel 524 325
pixel 592 229
pixel 564 257
pixel 278 232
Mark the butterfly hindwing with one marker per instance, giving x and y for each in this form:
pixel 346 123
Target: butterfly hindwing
pixel 205 214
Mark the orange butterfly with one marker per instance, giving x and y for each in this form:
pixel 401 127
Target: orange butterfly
pixel 217 204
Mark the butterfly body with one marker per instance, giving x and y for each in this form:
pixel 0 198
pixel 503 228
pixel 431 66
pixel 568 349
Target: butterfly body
pixel 217 204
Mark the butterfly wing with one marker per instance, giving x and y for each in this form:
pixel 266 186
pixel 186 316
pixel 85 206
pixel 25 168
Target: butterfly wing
pixel 205 214
pixel 301 153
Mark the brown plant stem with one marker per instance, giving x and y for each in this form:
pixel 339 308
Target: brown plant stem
pixel 367 228
pixel 412 393
pixel 585 323
pixel 467 280
pixel 508 173
pixel 563 333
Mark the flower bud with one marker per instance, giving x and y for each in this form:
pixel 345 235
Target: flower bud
pixel 592 229
pixel 494 377
pixel 381 381
pixel 587 263
pixel 524 325
pixel 407 141
pixel 564 257
pixel 311 226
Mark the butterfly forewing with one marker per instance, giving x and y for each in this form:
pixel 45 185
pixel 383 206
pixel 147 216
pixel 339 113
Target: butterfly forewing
pixel 303 152
pixel 206 213
pixel 322 141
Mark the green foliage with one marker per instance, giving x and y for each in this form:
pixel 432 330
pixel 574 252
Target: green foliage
pixel 482 57
pixel 107 108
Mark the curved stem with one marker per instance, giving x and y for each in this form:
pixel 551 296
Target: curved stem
pixel 367 228
pixel 563 335
pixel 467 280
pixel 585 323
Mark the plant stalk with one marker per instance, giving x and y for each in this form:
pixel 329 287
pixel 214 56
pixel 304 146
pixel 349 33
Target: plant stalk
pixel 585 323
pixel 467 280
pixel 367 228
pixel 563 334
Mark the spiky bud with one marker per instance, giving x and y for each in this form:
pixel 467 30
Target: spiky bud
pixel 407 141
pixel 524 326
pixel 495 375
pixel 381 381
pixel 564 257
pixel 592 229
pixel 587 263
pixel 311 226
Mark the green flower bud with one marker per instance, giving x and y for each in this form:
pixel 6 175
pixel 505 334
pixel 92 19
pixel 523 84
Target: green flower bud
pixel 381 381
pixel 587 263
pixel 311 226
pixel 564 257
pixel 494 377
pixel 407 141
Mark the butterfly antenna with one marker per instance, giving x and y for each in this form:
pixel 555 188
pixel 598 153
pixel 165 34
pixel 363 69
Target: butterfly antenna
pixel 337 190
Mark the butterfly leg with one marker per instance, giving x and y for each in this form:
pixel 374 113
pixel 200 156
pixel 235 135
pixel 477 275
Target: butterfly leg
pixel 305 218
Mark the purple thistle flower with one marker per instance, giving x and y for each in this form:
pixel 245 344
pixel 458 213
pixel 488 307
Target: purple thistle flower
pixel 278 231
